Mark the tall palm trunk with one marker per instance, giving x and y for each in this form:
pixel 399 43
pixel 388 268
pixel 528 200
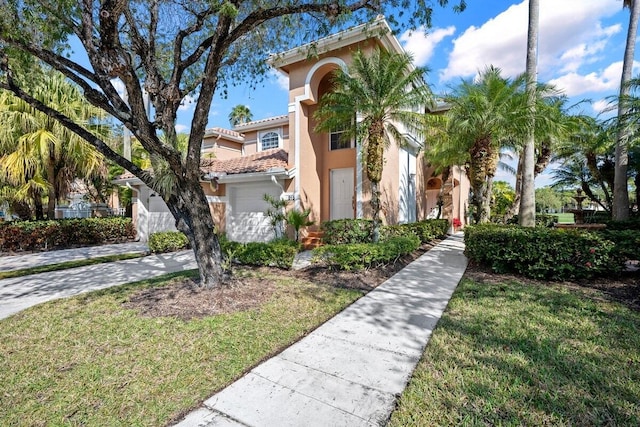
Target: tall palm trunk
pixel 446 173
pixel 527 216
pixel 374 165
pixel 621 192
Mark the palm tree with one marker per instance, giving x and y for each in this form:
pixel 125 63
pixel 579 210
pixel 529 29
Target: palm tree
pixel 621 192
pixel 527 214
pixel 384 91
pixel 240 114
pixel 552 126
pixel 486 115
pixel 40 157
pixel 589 156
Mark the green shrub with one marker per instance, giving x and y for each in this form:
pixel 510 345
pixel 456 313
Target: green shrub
pixel 541 253
pixel 399 230
pixel 279 253
pixel 627 243
pixel 630 224
pixel 542 220
pixel 430 229
pixel 344 231
pixel 64 233
pixel 167 241
pixel 356 256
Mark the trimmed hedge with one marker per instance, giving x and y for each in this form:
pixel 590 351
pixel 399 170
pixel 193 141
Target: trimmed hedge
pixel 542 220
pixel 64 233
pixel 357 256
pixel 168 241
pixel 542 253
pixel 279 253
pixel 347 231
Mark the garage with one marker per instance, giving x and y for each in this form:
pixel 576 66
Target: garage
pixel 246 218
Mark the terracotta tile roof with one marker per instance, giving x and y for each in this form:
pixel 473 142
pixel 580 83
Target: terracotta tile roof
pixel 223 131
pixel 258 162
pixel 125 175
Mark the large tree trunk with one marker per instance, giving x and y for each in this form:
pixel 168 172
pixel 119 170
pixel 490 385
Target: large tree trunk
pixel 620 191
pixel 527 214
pixel 193 218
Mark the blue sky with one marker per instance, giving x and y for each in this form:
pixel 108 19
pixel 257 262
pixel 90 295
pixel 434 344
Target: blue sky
pixel 581 46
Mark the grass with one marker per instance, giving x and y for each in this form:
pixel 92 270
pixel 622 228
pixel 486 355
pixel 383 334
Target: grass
pixel 517 354
pixel 68 264
pixel 89 361
pixel 564 218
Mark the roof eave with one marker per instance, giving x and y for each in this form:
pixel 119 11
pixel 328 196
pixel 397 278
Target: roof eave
pixel 379 29
pixel 263 124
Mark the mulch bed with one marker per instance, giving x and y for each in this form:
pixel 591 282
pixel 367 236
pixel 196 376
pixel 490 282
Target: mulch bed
pixel 184 299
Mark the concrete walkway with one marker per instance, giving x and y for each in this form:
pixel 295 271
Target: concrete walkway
pixel 19 293
pixel 36 259
pixel 350 370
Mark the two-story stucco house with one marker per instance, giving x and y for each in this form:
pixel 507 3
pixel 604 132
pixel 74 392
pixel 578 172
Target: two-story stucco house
pixel 283 156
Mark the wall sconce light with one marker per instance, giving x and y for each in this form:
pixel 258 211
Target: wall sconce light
pixel 214 183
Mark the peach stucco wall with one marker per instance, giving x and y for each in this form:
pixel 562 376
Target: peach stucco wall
pixel 316 160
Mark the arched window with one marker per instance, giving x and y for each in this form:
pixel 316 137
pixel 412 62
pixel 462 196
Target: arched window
pixel 269 140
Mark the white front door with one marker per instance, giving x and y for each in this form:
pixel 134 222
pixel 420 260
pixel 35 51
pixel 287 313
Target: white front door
pixel 341 193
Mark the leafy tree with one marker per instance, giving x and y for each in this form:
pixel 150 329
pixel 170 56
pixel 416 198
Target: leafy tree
pixel 621 192
pixel 502 197
pixel 240 114
pixel 384 90
pixel 169 50
pixel 42 158
pixel 547 200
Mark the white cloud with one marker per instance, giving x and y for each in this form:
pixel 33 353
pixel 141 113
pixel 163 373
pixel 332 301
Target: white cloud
pixel 181 128
pixel 281 79
pixel 570 34
pixel 607 80
pixel 573 84
pixel 421 44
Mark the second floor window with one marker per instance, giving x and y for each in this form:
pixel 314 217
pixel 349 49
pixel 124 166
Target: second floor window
pixel 269 140
pixel 339 140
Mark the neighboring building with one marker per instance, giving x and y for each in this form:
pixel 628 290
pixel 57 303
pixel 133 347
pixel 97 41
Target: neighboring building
pixel 284 157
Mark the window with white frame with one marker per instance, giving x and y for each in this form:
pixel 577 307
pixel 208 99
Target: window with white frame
pixel 269 140
pixel 338 140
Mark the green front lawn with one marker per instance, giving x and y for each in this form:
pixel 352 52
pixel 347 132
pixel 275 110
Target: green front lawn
pixel 521 354
pixel 88 360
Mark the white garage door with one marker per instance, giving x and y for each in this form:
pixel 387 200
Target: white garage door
pixel 246 218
